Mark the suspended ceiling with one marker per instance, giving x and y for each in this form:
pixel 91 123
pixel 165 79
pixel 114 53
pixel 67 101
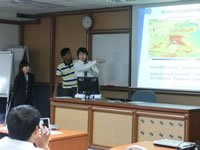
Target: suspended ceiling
pixel 9 8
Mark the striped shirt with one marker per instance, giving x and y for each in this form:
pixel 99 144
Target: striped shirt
pixel 67 73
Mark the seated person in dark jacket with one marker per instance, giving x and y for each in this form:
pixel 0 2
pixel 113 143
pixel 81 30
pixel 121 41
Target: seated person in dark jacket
pixel 23 85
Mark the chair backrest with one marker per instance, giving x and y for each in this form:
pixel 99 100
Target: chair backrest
pixel 2 118
pixel 135 147
pixel 144 95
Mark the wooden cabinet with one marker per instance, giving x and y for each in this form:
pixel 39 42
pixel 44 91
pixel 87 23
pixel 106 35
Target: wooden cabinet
pixel 154 125
pixel 71 116
pixel 112 123
pixel 111 126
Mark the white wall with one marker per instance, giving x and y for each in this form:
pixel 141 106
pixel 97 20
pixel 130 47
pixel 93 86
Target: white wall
pixel 9 36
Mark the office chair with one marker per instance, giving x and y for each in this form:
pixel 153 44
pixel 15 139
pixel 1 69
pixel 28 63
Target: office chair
pixel 135 147
pixel 144 95
pixel 2 118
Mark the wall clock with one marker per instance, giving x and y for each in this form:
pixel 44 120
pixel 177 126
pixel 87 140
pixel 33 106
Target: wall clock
pixel 87 22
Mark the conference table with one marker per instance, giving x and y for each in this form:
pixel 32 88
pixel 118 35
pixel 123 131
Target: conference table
pixel 110 123
pixel 148 145
pixel 63 139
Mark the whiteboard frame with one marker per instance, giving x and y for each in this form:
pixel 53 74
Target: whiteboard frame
pixel 9 77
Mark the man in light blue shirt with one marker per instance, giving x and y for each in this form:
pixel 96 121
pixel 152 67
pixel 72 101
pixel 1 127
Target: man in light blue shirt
pixel 23 130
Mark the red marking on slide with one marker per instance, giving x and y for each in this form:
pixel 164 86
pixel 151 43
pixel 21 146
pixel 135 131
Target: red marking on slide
pixel 177 39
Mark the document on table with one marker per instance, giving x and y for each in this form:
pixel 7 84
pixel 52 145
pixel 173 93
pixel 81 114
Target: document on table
pixel 4 128
pixel 56 132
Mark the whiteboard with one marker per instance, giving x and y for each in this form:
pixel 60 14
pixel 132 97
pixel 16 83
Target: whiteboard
pixel 6 61
pixel 18 55
pixel 9 35
pixel 114 49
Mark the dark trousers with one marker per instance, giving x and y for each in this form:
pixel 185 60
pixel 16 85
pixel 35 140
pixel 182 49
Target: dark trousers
pixel 69 92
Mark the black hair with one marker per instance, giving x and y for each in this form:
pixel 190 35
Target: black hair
pixel 64 51
pixel 22 122
pixel 82 50
pixel 22 64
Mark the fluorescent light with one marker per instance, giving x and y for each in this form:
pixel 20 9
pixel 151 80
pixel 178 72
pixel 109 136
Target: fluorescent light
pixel 115 1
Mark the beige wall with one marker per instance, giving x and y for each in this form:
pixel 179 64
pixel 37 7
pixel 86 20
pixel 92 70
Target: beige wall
pixel 179 99
pixel 69 33
pixel 37 38
pixel 172 98
pixel 114 94
pixel 110 20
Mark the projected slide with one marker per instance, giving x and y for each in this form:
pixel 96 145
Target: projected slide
pixel 169 47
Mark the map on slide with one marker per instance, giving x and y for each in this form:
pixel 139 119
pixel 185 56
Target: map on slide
pixel 174 38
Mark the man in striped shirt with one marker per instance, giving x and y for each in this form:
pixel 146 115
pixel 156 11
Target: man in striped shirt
pixel 65 70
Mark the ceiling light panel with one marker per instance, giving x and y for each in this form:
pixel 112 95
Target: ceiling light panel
pixel 39 4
